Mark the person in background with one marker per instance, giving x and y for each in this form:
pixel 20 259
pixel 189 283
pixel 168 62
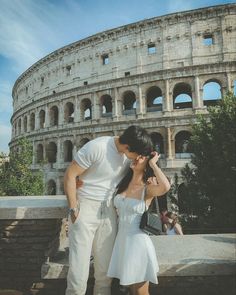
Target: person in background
pixel 171 225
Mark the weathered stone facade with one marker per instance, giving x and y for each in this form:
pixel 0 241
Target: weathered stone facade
pixel 128 75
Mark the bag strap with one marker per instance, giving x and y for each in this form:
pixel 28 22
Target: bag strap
pixel 144 198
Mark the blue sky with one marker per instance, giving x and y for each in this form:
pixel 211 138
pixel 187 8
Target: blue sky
pixel 30 29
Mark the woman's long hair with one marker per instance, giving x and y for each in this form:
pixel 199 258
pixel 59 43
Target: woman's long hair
pixel 124 183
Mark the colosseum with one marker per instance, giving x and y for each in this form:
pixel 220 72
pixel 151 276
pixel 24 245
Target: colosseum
pixel 153 73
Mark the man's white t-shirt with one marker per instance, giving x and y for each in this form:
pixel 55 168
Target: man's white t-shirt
pixel 104 165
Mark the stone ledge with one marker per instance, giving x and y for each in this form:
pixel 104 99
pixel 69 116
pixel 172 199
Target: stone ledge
pixel 33 207
pixel 188 256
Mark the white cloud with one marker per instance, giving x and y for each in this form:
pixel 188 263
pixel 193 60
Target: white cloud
pixel 30 29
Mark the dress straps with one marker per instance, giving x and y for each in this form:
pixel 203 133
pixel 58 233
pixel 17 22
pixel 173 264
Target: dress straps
pixel 144 193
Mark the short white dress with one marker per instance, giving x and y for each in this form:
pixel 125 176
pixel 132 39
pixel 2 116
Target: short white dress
pixel 133 258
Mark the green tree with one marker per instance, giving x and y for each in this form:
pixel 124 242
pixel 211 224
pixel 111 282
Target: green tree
pixel 209 191
pixel 16 177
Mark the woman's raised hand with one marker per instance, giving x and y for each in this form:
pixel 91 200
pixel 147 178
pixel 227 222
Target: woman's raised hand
pixel 154 159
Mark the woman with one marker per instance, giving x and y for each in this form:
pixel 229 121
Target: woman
pixel 171 225
pixel 134 260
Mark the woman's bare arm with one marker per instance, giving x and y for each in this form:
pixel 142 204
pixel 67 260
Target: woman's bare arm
pixel 162 186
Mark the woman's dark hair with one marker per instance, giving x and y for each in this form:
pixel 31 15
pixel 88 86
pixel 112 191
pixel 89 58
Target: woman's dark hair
pixel 122 186
pixel 138 140
pixel 126 138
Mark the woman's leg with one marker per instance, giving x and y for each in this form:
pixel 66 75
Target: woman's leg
pixel 140 288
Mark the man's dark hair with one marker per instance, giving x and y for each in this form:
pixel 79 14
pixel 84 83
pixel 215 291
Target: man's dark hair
pixel 138 140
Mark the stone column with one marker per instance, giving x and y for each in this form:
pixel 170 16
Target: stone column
pixel 169 144
pixel 47 116
pixel 58 185
pixel 167 107
pixel 37 119
pixel 117 105
pixel 197 97
pixel 141 103
pixel 77 110
pixel 28 123
pixel 229 83
pixel 61 114
pixel 34 153
pixel 59 151
pixel 96 114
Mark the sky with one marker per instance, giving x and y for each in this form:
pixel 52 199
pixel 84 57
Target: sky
pixel 31 29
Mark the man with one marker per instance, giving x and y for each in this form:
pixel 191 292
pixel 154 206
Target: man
pixel 100 164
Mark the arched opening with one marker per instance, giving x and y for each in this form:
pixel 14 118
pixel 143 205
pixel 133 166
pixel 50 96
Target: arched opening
pixel 39 152
pixel 25 124
pixel 129 103
pixel 106 103
pixel 54 116
pixel 51 187
pixel 42 119
pixel 32 121
pixel 19 126
pixel 182 146
pixel 86 109
pixel 182 96
pixel 68 151
pixel 211 93
pixel 51 152
pixel 69 112
pixel 82 142
pixel 154 99
pixel 158 141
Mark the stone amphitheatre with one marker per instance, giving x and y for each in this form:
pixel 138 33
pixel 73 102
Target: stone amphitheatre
pixel 153 73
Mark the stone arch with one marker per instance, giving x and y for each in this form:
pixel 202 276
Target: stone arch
pixel 106 106
pixel 51 187
pixel 69 112
pixel 158 141
pixel 86 109
pixel 154 99
pixel 32 121
pixel 25 123
pixel 42 119
pixel 54 115
pixel 39 153
pixel 51 152
pixel 82 142
pixel 68 151
pixel 182 146
pixel 182 96
pixel 129 102
pixel 212 92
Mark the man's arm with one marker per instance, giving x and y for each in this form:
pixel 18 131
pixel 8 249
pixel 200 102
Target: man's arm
pixel 72 172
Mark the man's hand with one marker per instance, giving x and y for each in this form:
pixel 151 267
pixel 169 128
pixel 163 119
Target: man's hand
pixel 74 216
pixel 79 183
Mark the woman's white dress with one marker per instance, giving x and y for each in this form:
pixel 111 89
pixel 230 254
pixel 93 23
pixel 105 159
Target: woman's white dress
pixel 133 258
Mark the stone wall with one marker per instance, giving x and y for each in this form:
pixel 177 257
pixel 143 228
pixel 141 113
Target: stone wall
pixel 24 246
